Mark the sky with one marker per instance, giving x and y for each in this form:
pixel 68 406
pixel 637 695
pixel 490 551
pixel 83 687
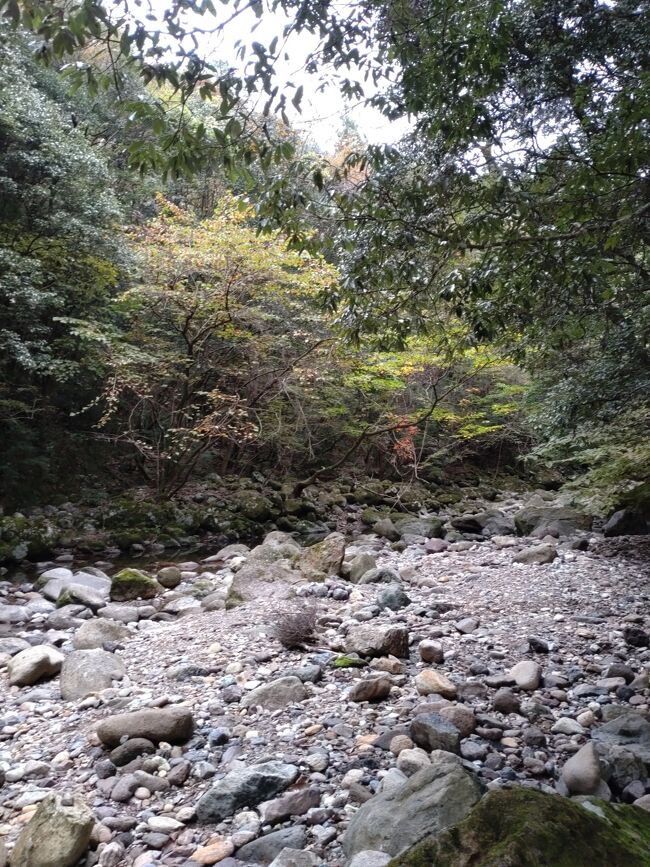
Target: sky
pixel 322 111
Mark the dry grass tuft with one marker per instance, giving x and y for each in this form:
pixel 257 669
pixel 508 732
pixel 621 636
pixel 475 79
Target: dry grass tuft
pixel 295 629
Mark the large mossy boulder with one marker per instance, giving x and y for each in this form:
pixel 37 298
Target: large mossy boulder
pixel 129 584
pixel 525 828
pixel 323 559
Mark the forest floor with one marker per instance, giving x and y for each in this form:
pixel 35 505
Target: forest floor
pixel 586 612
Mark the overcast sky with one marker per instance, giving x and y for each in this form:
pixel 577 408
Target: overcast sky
pixel 323 111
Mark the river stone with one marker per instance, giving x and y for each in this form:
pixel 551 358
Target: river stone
pixel 295 858
pixel 244 787
pixel 276 694
pixel 359 565
pixel 433 799
pixel 630 730
pixel 375 640
pixel 322 559
pixel 96 583
pixel 95 633
pixel 393 597
pixel 431 732
pixel 265 849
pixel 173 724
pixel 431 651
pixel 526 674
pixel 56 836
pixel 77 594
pixel 536 555
pixel 430 681
pixel 13 645
pixel 386 529
pixel 521 827
pixel 370 858
pixel 370 689
pixel 122 613
pixel 169 576
pixel 129 584
pixel 34 664
pixel 581 773
pixel 85 672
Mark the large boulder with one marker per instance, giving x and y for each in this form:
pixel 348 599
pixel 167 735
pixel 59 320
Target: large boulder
pixel 432 800
pixel 536 555
pixel 276 694
pixel 626 522
pixel 129 584
pixel 96 633
pixel 57 835
pixel 323 559
pixel 173 725
pixel 85 672
pixel 34 664
pixel 560 520
pixel 245 787
pixel 413 526
pixel 525 828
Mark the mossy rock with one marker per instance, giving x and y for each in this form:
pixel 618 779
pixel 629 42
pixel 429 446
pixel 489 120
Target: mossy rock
pixel 233 600
pixel 132 584
pixel 348 662
pixel 525 828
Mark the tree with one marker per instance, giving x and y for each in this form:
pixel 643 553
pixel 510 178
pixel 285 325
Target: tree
pixel 59 260
pixel 218 320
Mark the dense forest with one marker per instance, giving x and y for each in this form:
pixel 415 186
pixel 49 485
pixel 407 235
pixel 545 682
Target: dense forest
pixel 192 288
pixel 324 433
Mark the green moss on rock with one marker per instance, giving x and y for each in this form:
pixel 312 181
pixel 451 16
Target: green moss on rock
pixel 132 584
pixel 525 828
pixel 348 662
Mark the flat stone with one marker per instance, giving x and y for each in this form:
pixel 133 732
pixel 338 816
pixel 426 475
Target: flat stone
pixel 34 664
pixel 430 682
pixel 276 694
pixel 172 724
pixel 431 732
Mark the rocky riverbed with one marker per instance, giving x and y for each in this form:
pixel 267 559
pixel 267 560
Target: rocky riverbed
pixel 450 656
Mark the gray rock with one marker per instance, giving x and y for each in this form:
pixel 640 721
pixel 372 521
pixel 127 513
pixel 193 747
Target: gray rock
pixel 11 646
pixel 369 858
pixel 34 664
pixel 121 613
pixel 172 724
pixel 431 732
pixel 630 730
pixel 536 555
pixel 78 594
pixel 381 575
pixel 52 589
pixel 245 787
pixel 581 774
pixel 505 701
pixel 526 674
pixel 433 799
pixel 370 689
pixel 169 576
pixel 322 559
pixel 625 522
pixel 276 694
pixel 265 849
pixel 85 672
pixel 431 651
pixel 358 566
pixel 56 836
pixel 295 858
pixel 386 529
pixel 290 804
pixel 374 640
pixel 14 614
pixel 467 625
pixel 393 597
pixel 131 749
pixel 95 633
